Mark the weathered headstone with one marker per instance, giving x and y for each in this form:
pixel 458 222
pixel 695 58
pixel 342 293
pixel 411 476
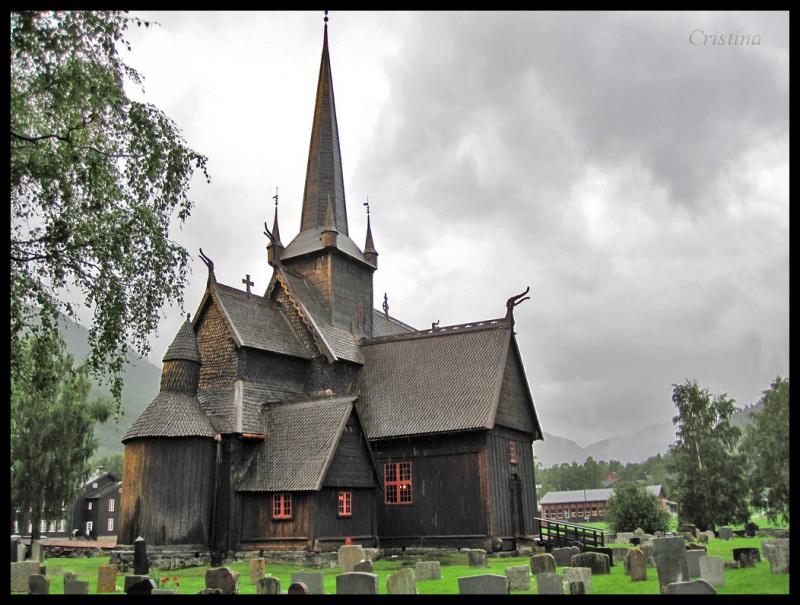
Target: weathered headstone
pixel 752 553
pixel 563 556
pixel 349 556
pixel 725 533
pixel 636 564
pixel 72 585
pixel 141 566
pixel 106 578
pixel 519 577
pixel 210 591
pixel 546 563
pixel 268 584
pixel 670 558
pixel 37 551
pixel 357 582
pixel 428 570
pixel 224 578
pixel 401 582
pixel 711 570
pixel 692 587
pixel 298 588
pixel 702 538
pixel 364 565
pixel 487 583
pixel 139 585
pixel 22 552
pixel 38 584
pixel 710 534
pixel 649 553
pixel 693 562
pixel 624 537
pixel 550 583
pixel 777 553
pixel 477 558
pixel 597 562
pixel 577 587
pixel 20 572
pixel 604 550
pixel 314 580
pixel 258 569
pixel 690 528
pixel 582 574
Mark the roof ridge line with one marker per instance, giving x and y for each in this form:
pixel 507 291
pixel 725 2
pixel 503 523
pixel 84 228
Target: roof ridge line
pixel 473 326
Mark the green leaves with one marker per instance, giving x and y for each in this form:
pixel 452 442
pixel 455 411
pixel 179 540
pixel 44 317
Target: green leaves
pixel 96 183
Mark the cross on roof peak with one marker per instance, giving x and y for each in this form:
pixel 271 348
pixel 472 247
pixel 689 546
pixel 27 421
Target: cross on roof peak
pixel 246 281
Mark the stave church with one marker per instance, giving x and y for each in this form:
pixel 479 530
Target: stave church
pixel 304 418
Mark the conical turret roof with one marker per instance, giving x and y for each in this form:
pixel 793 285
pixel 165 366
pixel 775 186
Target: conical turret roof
pixel 184 346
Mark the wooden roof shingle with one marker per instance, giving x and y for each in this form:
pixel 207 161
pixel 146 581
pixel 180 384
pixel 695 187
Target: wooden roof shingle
pixel 300 444
pixel 172 414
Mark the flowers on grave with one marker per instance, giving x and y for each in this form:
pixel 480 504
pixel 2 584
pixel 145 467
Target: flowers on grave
pixel 168 583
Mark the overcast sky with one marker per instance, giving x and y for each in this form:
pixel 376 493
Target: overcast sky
pixel 628 167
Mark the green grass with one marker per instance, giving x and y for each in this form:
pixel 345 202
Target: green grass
pixel 756 580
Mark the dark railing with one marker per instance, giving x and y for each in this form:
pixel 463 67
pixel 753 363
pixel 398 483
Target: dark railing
pixel 558 534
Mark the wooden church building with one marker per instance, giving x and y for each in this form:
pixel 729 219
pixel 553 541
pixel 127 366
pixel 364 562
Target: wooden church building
pixel 304 416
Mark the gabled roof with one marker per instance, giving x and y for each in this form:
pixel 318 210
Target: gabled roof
pixel 219 404
pixel 387 326
pixel 105 490
pixel 255 321
pixel 335 343
pixel 433 381
pixel 171 414
pixel 300 444
pixel 589 495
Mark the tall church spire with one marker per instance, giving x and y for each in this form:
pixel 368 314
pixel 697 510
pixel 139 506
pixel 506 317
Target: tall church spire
pixel 324 171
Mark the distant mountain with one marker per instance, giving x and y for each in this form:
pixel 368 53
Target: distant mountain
pixel 556 450
pixel 141 378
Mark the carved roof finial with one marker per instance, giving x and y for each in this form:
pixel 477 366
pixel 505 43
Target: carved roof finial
pixel 386 305
pixel 212 279
pixel 513 302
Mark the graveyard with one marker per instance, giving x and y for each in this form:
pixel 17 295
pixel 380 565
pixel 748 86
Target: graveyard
pixel 450 572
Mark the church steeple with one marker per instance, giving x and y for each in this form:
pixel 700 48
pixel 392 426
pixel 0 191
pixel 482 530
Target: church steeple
pixel 370 253
pixel 324 171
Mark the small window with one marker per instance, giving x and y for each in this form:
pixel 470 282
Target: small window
pixel 94 485
pixel 111 505
pixel 282 506
pixel 51 527
pixel 43 526
pixel 90 506
pixel 345 504
pixel 111 524
pixel 62 525
pixel 512 452
pixel 397 483
pixel 89 526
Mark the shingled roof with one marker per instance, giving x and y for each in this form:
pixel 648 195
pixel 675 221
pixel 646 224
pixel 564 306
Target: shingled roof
pixel 335 342
pixel 300 444
pixel 433 381
pixel 184 346
pixel 219 405
pixel 257 322
pixel 590 495
pixel 172 414
pixel 386 325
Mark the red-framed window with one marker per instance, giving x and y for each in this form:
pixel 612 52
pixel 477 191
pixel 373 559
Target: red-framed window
pixel 397 483
pixel 282 506
pixel 512 452
pixel 345 504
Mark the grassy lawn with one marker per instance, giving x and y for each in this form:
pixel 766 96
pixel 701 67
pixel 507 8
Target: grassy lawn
pixel 756 580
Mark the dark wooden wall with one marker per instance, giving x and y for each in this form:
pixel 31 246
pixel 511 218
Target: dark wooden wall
pixel 351 465
pixel 515 407
pixel 282 373
pixel 450 483
pixel 259 527
pixel 167 491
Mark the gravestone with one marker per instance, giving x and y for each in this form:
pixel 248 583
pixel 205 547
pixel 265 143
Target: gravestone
pixel 752 553
pixel 604 550
pixel 487 583
pixel 747 560
pixel 314 580
pixel 268 584
pixel 690 528
pixel 20 572
pixel 477 558
pixel 365 565
pixel 428 570
pixel 636 565
pixel 107 578
pixel 624 537
pixel 519 577
pixel 597 562
pixel 702 538
pixel 546 563
pixel 223 578
pixel 140 585
pixel 577 587
pixel 635 541
pixel 710 535
pixel 563 556
pixel 72 585
pixel 582 574
pixel 401 582
pixel 550 583
pixel 357 582
pixel 649 553
pixel 298 588
pixel 210 591
pixel 692 587
pixel 777 553
pixel 22 552
pixel 141 566
pixel 349 556
pixel 712 571
pixel 693 562
pixel 38 584
pixel 37 551
pixel 258 569
pixel 670 559
pixel 725 533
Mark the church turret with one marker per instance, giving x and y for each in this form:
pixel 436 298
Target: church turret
pixel 329 234
pixel 370 253
pixel 275 247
